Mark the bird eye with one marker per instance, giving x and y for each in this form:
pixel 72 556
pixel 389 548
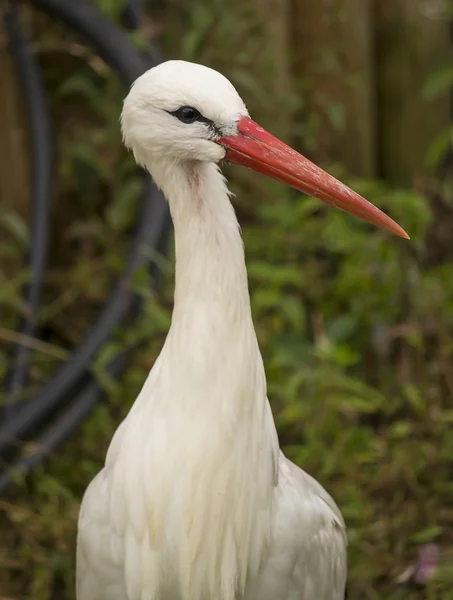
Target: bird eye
pixel 187 114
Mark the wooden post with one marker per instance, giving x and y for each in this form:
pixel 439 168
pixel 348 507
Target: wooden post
pixel 412 42
pixel 334 68
pixel 14 163
pixel 275 15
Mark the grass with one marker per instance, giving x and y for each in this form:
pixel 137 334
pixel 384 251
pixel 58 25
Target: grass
pixel 355 326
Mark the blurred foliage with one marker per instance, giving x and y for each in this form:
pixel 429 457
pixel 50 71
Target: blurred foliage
pixel 355 325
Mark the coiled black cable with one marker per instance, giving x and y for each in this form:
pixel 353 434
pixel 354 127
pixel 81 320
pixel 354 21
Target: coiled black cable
pixel 132 14
pixel 59 431
pixel 131 18
pixel 41 180
pixel 153 229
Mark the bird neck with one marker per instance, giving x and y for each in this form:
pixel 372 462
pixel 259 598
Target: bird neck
pixel 211 275
pixel 207 394
pixel 212 344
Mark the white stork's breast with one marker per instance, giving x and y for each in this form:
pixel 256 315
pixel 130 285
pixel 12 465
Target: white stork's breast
pixel 188 508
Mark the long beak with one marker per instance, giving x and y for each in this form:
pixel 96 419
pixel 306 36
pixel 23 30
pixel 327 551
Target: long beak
pixel 255 148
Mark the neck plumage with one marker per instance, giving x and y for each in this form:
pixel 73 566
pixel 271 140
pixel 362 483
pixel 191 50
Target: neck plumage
pixel 212 331
pixel 210 265
pixel 208 393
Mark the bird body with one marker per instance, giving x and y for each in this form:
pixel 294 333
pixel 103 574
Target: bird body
pixel 196 501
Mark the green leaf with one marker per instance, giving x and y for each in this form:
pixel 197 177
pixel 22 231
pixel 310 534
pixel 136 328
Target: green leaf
pixel 438 82
pixel 17 227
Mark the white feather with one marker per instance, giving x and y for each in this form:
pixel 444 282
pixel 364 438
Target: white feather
pixel 195 501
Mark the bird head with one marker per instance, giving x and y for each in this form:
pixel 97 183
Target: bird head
pixel 184 112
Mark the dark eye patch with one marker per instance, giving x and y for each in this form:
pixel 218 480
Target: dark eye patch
pixel 188 114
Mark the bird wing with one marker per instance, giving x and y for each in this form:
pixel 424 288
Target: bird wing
pixel 307 555
pixel 99 573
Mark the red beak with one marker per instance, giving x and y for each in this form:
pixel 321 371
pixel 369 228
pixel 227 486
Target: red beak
pixel 255 148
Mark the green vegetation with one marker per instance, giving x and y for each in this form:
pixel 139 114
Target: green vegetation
pixel 355 326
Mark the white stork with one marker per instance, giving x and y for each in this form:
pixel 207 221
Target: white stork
pixel 196 501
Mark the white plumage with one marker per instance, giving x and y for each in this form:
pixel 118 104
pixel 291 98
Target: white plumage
pixel 196 501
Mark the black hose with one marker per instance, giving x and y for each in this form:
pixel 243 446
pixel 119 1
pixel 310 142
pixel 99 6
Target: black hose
pixel 85 400
pixel 108 41
pixel 131 18
pixel 41 179
pixel 57 393
pixel 115 50
pixel 132 14
pixel 61 429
